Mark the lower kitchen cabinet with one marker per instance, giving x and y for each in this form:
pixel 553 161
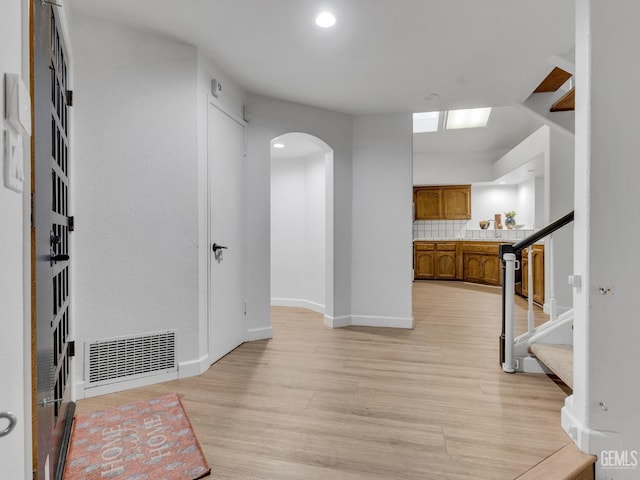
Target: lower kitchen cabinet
pixel 424 260
pixel 436 260
pixel 481 263
pixel 480 268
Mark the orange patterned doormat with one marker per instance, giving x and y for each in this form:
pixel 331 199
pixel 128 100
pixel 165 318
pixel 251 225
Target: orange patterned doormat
pixel 147 440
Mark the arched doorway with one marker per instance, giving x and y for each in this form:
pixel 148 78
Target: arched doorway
pixel 302 222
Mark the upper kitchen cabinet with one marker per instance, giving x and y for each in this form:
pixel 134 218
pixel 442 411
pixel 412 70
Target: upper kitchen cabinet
pixel 449 202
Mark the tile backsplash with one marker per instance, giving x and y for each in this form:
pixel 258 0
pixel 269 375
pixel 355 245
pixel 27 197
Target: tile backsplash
pixel 439 228
pixel 454 229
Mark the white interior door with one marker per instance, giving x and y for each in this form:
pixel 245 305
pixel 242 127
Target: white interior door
pixel 226 160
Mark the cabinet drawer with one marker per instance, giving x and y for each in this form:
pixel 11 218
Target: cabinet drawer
pixel 424 246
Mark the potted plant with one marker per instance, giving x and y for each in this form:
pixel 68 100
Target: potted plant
pixel 510 219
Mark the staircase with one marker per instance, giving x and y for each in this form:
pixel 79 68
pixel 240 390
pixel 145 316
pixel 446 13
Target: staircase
pixel 557 358
pixel 553 101
pixel 568 463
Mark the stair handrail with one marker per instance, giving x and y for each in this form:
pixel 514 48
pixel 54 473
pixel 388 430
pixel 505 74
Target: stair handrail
pixel 543 232
pixel 508 258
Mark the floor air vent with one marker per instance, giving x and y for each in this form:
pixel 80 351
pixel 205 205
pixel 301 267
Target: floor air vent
pixel 113 360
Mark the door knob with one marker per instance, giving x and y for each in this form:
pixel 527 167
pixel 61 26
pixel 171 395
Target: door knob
pixel 11 418
pixel 215 247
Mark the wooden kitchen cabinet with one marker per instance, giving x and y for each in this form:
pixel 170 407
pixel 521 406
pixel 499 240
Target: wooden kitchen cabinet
pixel 427 203
pixel 481 263
pixel 447 202
pixel 537 257
pixel 424 255
pixel 436 260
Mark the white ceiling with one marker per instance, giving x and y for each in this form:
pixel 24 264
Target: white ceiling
pixel 507 127
pixel 382 55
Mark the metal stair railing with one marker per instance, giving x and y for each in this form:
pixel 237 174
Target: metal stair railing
pixel 508 254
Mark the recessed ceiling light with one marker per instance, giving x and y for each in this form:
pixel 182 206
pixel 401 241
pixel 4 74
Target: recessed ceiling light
pixel 326 20
pixel 502 183
pixel 278 145
pixel 469 118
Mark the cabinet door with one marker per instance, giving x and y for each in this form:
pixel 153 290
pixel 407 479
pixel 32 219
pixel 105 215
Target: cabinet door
pixel 428 203
pixel 424 263
pixel 456 203
pixel 524 266
pixel 446 264
pixel 473 269
pixel 538 274
pixel 492 270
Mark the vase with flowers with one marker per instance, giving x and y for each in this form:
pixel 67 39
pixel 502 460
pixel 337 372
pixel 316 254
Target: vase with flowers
pixel 510 219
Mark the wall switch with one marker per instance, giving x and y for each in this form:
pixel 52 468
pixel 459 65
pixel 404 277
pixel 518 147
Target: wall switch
pixel 13 161
pixel 17 104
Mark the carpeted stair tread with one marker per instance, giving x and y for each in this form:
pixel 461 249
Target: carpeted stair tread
pixel 557 358
pixel 568 463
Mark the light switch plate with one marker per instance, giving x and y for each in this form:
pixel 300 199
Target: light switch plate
pixel 13 161
pixel 17 104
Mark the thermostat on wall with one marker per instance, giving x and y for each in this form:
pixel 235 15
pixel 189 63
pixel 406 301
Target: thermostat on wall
pixel 17 104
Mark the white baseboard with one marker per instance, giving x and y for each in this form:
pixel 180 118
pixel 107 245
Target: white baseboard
pixel 194 368
pixel 125 385
pixel 387 322
pixel 263 333
pixel 337 322
pixel 298 302
pixel 589 441
pixel 368 321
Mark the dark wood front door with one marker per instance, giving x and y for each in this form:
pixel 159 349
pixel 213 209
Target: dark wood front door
pixel 50 241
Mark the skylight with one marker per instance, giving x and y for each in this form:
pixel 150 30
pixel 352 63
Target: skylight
pixel 425 122
pixel 469 118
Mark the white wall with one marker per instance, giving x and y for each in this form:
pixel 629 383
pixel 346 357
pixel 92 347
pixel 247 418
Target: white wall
pixel 560 202
pixel 531 147
pixel 446 169
pixel 602 414
pixel 487 200
pixel 135 258
pixel 525 209
pixel 381 277
pixel 15 322
pixel 298 232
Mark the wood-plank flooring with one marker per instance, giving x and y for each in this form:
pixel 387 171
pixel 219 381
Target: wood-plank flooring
pixel 364 403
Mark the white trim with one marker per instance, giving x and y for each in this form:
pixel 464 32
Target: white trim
pixel 126 385
pixel 263 333
pixel 226 110
pixel 589 441
pixel 299 303
pixel 388 322
pixel 532 365
pixel 368 321
pixel 193 368
pixel 337 322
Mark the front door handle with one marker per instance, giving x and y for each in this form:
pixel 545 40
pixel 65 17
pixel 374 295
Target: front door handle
pixel 11 418
pixel 216 248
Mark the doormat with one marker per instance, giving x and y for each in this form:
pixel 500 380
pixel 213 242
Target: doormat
pixel 146 440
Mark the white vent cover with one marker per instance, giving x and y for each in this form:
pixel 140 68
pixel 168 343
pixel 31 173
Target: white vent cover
pixel 111 360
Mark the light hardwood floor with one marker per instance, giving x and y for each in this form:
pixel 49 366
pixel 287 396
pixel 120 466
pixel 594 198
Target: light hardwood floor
pixel 366 403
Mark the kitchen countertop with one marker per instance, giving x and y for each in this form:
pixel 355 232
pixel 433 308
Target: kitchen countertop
pixel 503 236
